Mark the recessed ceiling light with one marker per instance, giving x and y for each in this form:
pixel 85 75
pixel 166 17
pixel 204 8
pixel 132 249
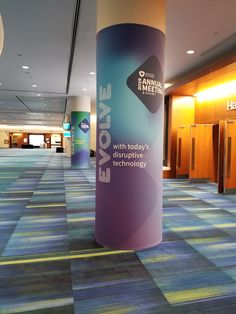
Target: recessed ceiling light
pixel 84 89
pixel 25 67
pixel 39 95
pixel 92 73
pixel 190 52
pixel 34 85
pixel 0 83
pixel 41 98
pixel 168 85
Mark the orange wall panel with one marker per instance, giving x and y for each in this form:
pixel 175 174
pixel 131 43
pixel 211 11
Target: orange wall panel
pixel 216 103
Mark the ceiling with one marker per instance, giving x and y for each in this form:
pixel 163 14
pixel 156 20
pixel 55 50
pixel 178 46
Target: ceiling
pixel 57 40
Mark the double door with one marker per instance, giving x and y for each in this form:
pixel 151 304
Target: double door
pixel 207 152
pixel 195 152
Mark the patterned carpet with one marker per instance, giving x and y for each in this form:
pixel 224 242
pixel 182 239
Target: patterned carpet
pixel 50 262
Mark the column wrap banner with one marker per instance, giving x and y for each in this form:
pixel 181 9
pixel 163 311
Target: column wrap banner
pixel 130 93
pixel 80 139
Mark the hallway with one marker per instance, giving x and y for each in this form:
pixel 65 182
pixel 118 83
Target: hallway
pixel 50 262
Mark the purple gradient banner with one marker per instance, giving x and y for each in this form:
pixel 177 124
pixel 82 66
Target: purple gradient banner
pixel 130 93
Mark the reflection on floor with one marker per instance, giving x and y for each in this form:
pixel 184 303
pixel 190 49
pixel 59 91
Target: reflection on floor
pixel 50 262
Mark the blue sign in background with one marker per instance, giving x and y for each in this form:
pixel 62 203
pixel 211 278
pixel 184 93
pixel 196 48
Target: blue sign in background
pixel 80 137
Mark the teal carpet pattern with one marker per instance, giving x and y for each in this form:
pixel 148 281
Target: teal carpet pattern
pixel 51 263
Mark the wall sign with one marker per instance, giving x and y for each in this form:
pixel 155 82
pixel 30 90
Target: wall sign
pixel 231 105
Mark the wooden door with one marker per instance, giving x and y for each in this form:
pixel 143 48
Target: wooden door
pixel 201 152
pixel 214 175
pixel 230 157
pixel 183 148
pixel 221 156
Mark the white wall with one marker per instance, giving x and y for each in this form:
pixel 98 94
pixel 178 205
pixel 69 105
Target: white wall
pixel 4 135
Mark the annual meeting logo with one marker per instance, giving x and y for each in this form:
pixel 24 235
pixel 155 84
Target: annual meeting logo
pixel 148 85
pixel 146 82
pixel 84 125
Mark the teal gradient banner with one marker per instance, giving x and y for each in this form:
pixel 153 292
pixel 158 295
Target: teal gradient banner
pixel 80 139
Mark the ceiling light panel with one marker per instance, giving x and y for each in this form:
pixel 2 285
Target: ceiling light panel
pixel 12 104
pixel 53 104
pixel 25 123
pixel 4 116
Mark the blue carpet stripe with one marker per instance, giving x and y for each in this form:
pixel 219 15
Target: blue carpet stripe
pixel 47 225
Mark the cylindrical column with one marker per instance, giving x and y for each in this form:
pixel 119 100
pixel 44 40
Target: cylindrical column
pixel 80 132
pixel 130 93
